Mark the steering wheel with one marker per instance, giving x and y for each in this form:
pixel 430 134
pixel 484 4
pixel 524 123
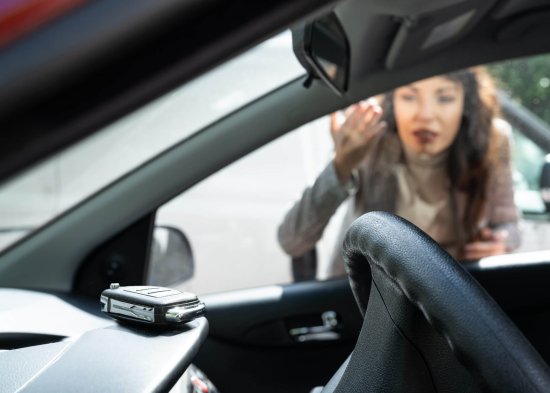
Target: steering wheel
pixel 428 325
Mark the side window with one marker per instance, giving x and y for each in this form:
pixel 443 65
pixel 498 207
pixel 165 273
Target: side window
pixel 527 159
pixel 231 218
pixel 525 85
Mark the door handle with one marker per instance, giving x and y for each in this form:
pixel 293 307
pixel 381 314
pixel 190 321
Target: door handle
pixel 328 331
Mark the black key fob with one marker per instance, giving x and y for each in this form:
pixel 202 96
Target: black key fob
pixel 157 306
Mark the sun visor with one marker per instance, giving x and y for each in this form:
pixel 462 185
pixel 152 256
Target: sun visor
pixel 422 34
pixel 527 25
pixel 516 7
pixel 407 7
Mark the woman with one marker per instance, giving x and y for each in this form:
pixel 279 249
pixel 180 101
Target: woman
pixel 434 154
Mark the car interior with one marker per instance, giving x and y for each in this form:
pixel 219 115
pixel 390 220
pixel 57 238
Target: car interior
pixel 408 318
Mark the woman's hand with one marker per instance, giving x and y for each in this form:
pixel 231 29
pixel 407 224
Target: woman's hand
pixel 352 134
pixel 490 243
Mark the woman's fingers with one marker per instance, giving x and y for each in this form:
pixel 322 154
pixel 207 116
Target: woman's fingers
pixel 486 234
pixel 337 119
pixel 378 127
pixel 372 114
pixel 359 119
pixel 355 119
pixel 362 122
pixel 483 248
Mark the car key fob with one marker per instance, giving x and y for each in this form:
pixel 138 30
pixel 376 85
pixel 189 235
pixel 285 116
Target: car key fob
pixel 157 306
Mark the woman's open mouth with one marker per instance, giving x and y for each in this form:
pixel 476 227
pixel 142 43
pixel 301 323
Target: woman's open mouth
pixel 425 136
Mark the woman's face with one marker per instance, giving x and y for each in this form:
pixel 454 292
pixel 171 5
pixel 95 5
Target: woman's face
pixel 428 114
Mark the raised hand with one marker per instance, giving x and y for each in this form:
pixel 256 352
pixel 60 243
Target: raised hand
pixel 352 133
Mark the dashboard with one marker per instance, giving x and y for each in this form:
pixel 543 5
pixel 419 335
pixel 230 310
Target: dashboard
pixel 53 342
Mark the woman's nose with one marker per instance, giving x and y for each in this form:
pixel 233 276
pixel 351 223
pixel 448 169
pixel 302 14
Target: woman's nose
pixel 426 110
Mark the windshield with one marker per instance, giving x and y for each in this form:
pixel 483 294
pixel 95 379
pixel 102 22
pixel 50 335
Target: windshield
pixel 47 190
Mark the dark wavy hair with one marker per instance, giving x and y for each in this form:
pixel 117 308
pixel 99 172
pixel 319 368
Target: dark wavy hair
pixel 470 154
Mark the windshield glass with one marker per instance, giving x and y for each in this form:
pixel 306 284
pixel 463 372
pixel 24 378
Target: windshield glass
pixel 52 187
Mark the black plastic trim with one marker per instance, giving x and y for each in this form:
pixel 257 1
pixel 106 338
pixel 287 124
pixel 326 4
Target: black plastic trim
pixel 118 358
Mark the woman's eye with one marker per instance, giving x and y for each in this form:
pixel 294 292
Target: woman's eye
pixel 446 99
pixel 408 97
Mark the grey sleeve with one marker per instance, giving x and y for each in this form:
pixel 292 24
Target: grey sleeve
pixel 305 222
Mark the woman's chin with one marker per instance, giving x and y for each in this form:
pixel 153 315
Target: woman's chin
pixel 427 151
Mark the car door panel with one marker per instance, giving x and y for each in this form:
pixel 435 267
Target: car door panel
pixel 250 336
pixel 519 284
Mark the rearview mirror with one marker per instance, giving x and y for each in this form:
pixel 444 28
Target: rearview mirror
pixel 171 259
pixel 322 47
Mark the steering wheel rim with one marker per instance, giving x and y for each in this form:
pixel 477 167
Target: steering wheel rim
pixel 409 276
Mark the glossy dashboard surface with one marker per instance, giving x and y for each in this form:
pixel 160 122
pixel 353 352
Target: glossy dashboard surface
pixel 51 343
